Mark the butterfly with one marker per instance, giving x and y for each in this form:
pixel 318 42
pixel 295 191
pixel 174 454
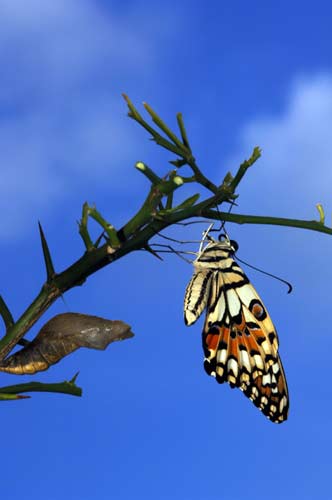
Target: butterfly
pixel 240 342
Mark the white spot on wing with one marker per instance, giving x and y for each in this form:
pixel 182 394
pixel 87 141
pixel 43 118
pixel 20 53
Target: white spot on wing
pixel 244 357
pixel 232 365
pixel 233 302
pixel 258 361
pixel 247 293
pixel 266 380
pixel 221 356
pixel 255 391
pixel 275 368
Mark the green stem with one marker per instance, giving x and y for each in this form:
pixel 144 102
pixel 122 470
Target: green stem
pixel 11 397
pixel 148 172
pixel 83 228
pixel 312 225
pixel 183 132
pixel 148 210
pixel 162 125
pixel 108 228
pixel 159 139
pixel 200 177
pixel 60 387
pixel 244 167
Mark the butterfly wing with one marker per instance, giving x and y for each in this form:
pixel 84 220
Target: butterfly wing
pixel 241 345
pixel 197 293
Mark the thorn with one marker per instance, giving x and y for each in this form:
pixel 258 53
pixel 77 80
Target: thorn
pixel 24 342
pixel 178 163
pixel 73 380
pixel 50 272
pixel 98 240
pixel 6 314
pixel 149 249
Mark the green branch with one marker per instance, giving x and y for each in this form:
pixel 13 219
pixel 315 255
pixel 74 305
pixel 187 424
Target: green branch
pixel 312 225
pixel 11 397
pixel 158 211
pixel 66 387
pixel 256 154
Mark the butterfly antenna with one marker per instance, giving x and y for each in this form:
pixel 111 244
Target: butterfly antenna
pixel 169 249
pixel 180 242
pixel 290 287
pixel 190 223
pixel 222 227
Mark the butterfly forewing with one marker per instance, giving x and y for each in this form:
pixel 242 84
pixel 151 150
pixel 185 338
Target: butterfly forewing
pixel 239 340
pixel 197 292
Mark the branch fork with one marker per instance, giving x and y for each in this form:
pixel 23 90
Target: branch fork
pixel 157 212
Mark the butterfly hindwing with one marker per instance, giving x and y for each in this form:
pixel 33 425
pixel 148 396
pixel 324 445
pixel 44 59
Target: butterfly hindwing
pixel 239 340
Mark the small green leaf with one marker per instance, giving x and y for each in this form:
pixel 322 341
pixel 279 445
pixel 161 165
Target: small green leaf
pixel 184 136
pixel 189 202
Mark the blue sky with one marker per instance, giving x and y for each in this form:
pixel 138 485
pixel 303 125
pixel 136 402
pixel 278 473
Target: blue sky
pixel 151 423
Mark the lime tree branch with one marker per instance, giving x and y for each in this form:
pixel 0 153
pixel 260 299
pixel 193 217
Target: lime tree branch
pixel 312 225
pixel 158 211
pixel 66 387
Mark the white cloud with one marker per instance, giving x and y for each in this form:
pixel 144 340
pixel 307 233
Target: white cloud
pixel 62 122
pixel 62 41
pixel 295 170
pixel 294 173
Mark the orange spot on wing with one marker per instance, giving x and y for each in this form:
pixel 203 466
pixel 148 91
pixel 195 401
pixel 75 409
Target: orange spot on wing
pixel 212 341
pixel 233 347
pixel 257 310
pixel 251 343
pixel 263 390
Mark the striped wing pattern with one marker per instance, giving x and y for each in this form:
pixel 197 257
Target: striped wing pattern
pixel 239 340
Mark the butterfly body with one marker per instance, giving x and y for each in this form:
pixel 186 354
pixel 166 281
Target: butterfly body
pixel 239 339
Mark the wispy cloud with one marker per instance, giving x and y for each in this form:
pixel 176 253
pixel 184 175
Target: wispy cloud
pixel 64 65
pixel 296 168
